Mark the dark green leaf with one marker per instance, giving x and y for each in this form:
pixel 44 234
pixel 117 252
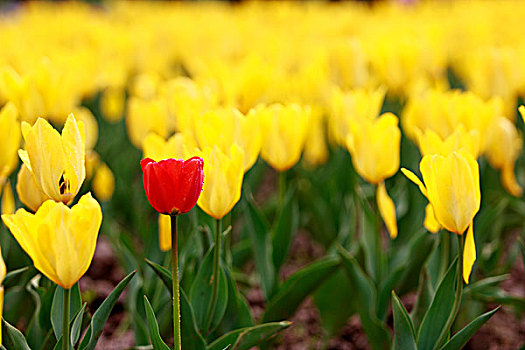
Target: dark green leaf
pixel 258 230
pixel 423 300
pixel 76 326
pixel 297 287
pixel 191 338
pixel 201 294
pixel 285 226
pixel 404 338
pixel 11 274
pixel 246 338
pixel 365 301
pixel 440 309
pixel 462 337
pixel 385 291
pixel 485 284
pixel 56 308
pixel 101 315
pixel 163 273
pixel 156 340
pixel 13 339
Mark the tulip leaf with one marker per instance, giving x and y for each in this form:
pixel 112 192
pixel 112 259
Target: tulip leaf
pixel 75 326
pixel 247 338
pixel 485 284
pixel 462 337
pixel 298 286
pixel 258 230
pixel 163 273
pixel 404 337
pixel 285 226
pixel 365 301
pixel 385 291
pixel 13 339
pixel 12 274
pixel 440 309
pixel 201 293
pixel 156 340
pixel 56 308
pixel 191 338
pixel 101 315
pixel 423 300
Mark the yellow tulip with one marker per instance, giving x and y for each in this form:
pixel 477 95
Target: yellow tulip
pixel 103 183
pixel 112 104
pixel 284 129
pixel 504 146
pixel 387 209
pixel 178 146
pixel 431 143
pixel 85 116
pixel 222 127
pixel 28 191
pixel 56 161
pixel 60 240
pixel 223 174
pixel 144 116
pixel 315 149
pixel 374 146
pixel 9 140
pixel 451 185
pixel 8 200
pixel 430 223
pixel 164 232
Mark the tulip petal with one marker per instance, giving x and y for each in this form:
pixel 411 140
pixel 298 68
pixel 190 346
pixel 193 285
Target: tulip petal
pixel 387 209
pixel 28 191
pixel 73 141
pixel 8 200
pixel 164 232
pixel 469 253
pixel 509 180
pixel 430 223
pixel 412 177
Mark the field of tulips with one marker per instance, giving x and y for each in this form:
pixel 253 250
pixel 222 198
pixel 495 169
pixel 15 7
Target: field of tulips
pixel 302 175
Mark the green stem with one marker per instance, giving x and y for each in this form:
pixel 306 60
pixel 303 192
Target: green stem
pixel 215 276
pixel 459 293
pixel 175 284
pixel 65 319
pixel 282 188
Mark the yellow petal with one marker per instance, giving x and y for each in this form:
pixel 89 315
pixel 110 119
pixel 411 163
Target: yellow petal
pixel 164 232
pixel 412 177
pixel 8 200
pixel 73 141
pixel 469 253
pixel 387 209
pixel 28 191
pixel 430 223
pixel 103 183
pixel 509 180
pixel 521 109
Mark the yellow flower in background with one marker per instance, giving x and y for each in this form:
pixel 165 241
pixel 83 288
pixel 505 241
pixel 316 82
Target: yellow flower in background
pixel 10 137
pixel 103 183
pixel 223 174
pixel 222 127
pixel 431 143
pixel 3 271
pixel 60 240
pixel 521 109
pixel 451 185
pixel 145 116
pixel 56 161
pixel 28 190
pixel 284 129
pixel 164 222
pixel 504 146
pixel 85 116
pixel 374 146
pixel 8 199
pixel 315 148
pixel 178 146
pixel 112 104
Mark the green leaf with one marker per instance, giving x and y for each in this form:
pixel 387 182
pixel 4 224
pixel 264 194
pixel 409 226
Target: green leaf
pixel 246 338
pixel 163 273
pixel 101 315
pixel 297 287
pixel 522 249
pixel 462 337
pixel 285 226
pixel 76 327
pixel 385 291
pixel 56 308
pixel 365 301
pixel 191 338
pixel 201 293
pixel 423 300
pixel 404 338
pixel 485 284
pixel 440 309
pixel 12 274
pixel 331 298
pixel 156 340
pixel 258 230
pixel 13 339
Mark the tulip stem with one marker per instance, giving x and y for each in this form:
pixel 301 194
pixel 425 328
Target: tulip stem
pixel 215 276
pixel 175 284
pixel 65 318
pixel 282 188
pixel 459 292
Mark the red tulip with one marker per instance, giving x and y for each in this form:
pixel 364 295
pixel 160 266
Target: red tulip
pixel 173 185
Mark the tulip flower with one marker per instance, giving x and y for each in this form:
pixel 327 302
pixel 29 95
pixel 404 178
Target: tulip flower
pixel 179 145
pixel 451 185
pixel 374 146
pixel 112 104
pixel 9 140
pixel 56 161
pixel 173 185
pixel 431 143
pixel 28 191
pixel 144 116
pixel 103 182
